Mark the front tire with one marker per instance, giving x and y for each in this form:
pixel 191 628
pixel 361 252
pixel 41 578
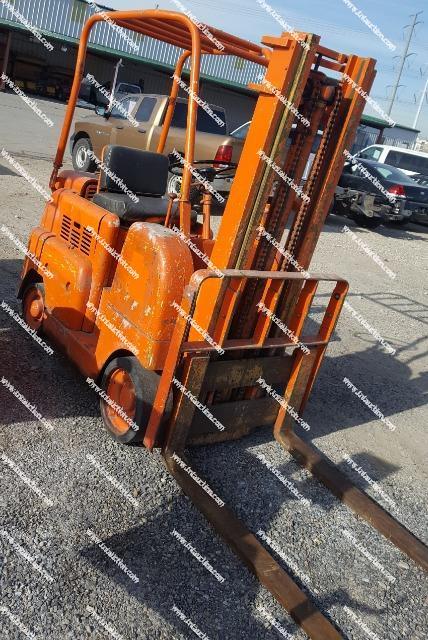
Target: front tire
pixel 33 306
pixel 133 390
pixel 81 160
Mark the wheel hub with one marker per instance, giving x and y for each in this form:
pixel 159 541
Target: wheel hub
pixel 81 157
pixel 34 308
pixel 120 389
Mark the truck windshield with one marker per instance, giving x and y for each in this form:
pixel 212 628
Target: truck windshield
pixel 241 132
pixel 124 108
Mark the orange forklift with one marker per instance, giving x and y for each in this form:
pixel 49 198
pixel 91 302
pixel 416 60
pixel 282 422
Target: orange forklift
pixel 142 334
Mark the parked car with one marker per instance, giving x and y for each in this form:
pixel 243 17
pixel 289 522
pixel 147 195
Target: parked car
pixel 241 132
pixel 421 179
pixel 212 142
pixel 419 209
pixel 409 161
pixel 357 197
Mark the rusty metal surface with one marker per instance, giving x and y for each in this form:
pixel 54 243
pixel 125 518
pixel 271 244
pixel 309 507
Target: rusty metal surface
pixel 238 414
pixel 181 342
pixel 265 254
pixel 188 426
pixel 289 68
pixel 248 344
pixel 241 373
pixel 184 409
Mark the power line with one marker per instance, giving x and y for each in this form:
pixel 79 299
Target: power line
pixel 293 19
pixel 397 101
pixel 404 57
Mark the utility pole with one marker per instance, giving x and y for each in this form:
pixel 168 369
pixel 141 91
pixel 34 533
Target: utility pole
pixel 406 54
pixel 418 112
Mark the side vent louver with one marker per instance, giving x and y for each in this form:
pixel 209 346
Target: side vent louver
pixel 77 237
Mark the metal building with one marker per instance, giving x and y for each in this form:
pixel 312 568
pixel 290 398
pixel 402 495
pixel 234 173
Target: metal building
pixel 38 70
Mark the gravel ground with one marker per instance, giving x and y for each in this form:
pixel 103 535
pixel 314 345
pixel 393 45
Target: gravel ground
pixel 67 587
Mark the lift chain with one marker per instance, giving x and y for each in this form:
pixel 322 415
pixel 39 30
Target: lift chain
pixel 273 219
pixel 296 232
pixel 283 190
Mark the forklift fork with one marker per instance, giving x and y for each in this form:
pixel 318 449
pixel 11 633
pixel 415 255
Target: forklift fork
pixel 193 370
pixel 246 546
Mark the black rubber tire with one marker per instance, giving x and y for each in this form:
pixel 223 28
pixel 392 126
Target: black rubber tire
pixel 146 384
pixel 79 163
pixel 195 197
pixel 367 223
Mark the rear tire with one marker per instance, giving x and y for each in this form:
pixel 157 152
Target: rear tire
pixel 81 160
pixel 367 223
pixel 133 389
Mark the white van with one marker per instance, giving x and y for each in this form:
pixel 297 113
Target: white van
pixel 411 162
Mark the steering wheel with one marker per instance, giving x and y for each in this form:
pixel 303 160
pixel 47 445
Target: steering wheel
pixel 209 173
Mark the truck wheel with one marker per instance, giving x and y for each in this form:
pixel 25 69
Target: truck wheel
pixel 130 391
pixel 174 186
pixel 33 306
pixel 81 160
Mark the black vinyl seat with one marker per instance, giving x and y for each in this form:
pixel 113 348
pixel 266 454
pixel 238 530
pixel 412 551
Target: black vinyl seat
pixel 130 211
pixel 144 174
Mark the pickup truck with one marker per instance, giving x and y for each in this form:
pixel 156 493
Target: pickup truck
pixel 213 144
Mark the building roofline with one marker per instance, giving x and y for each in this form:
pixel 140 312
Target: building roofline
pixel 379 123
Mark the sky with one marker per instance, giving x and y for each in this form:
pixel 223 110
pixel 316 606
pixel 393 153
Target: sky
pixel 340 29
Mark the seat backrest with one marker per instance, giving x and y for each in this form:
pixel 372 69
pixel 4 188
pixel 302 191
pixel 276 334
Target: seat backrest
pixel 144 173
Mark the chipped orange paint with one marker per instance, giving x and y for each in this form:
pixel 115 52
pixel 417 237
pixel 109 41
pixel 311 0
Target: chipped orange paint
pixel 93 304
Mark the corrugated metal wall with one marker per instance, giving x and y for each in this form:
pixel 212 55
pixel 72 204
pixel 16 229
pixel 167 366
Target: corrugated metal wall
pixel 396 137
pixel 239 107
pixel 66 18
